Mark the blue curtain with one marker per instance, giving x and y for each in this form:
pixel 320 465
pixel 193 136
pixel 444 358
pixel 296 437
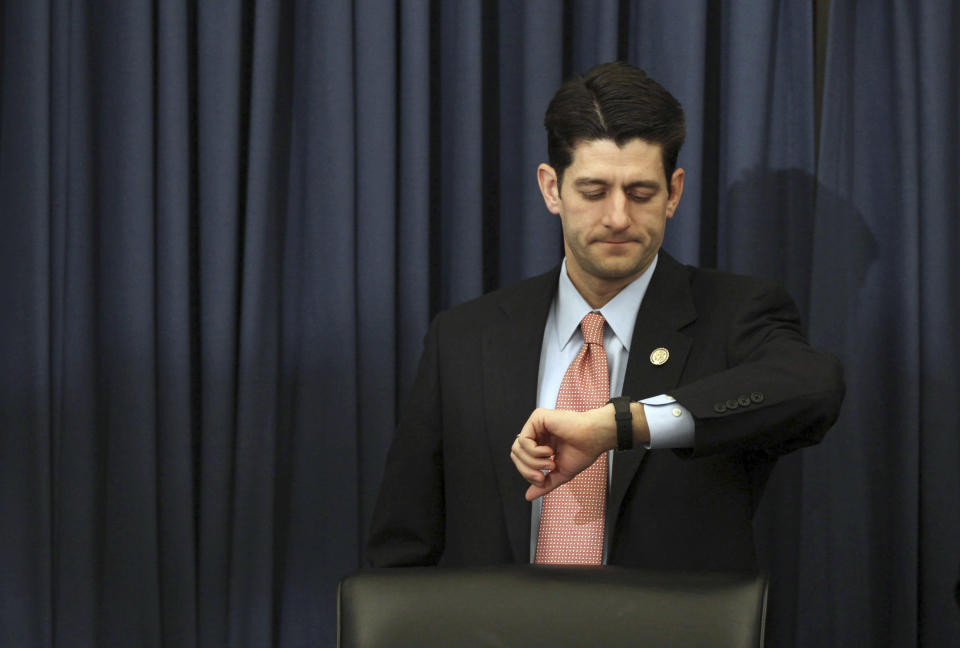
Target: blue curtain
pixel 881 496
pixel 224 228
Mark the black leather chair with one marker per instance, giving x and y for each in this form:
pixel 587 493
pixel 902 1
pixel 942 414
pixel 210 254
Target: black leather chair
pixel 550 606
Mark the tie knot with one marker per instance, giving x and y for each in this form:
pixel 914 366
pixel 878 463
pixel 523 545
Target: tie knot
pixel 592 327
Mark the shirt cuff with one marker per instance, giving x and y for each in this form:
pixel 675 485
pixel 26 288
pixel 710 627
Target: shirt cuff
pixel 670 423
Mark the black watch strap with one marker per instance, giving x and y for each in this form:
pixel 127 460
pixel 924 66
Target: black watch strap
pixel 621 412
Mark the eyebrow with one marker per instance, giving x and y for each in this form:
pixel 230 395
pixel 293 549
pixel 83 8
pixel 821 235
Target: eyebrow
pixel 637 184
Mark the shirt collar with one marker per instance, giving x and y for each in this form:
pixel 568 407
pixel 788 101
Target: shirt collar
pixel 620 312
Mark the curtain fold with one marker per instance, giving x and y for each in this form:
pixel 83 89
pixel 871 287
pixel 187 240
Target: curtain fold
pixel 26 386
pixel 224 228
pixel 882 547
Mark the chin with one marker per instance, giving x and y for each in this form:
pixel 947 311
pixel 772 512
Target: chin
pixel 616 270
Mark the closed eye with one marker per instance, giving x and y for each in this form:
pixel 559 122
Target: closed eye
pixel 594 195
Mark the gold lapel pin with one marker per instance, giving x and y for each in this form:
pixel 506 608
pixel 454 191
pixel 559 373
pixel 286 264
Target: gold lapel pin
pixel 659 356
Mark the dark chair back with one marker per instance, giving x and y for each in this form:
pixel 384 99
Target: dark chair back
pixel 550 606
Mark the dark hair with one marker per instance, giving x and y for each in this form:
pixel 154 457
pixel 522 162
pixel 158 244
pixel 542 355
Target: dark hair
pixel 613 101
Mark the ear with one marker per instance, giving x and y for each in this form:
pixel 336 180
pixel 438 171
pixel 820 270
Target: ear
pixel 549 187
pixel 676 190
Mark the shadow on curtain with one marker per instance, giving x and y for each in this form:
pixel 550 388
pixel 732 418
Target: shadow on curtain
pixel 882 495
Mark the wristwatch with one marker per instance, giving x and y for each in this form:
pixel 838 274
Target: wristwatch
pixel 621 412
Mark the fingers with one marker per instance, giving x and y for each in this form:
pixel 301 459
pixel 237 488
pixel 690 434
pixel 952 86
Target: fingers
pixel 537 428
pixel 534 492
pixel 530 459
pixel 532 475
pixel 529 447
pixel 560 443
pixel 549 482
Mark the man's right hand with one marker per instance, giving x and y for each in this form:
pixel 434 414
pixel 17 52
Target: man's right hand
pixel 563 443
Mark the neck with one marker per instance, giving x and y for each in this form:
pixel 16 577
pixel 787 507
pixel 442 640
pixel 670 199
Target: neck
pixel 597 292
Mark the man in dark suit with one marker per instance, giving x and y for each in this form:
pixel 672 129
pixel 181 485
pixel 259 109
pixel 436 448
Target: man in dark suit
pixel 716 377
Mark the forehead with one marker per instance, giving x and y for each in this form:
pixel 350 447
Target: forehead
pixel 603 159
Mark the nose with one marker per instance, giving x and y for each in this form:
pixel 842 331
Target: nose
pixel 616 216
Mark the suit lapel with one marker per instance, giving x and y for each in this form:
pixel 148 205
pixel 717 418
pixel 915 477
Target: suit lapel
pixel 666 308
pixel 511 363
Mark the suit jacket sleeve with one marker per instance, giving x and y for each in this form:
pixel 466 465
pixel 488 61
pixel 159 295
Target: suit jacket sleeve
pixel 777 392
pixel 408 520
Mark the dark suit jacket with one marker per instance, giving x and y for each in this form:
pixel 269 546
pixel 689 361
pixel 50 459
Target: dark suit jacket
pixel 738 362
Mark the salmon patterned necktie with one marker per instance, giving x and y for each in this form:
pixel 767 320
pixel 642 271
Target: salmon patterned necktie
pixel 572 517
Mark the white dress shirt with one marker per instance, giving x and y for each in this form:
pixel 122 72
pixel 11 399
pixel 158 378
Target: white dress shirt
pixel 562 340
